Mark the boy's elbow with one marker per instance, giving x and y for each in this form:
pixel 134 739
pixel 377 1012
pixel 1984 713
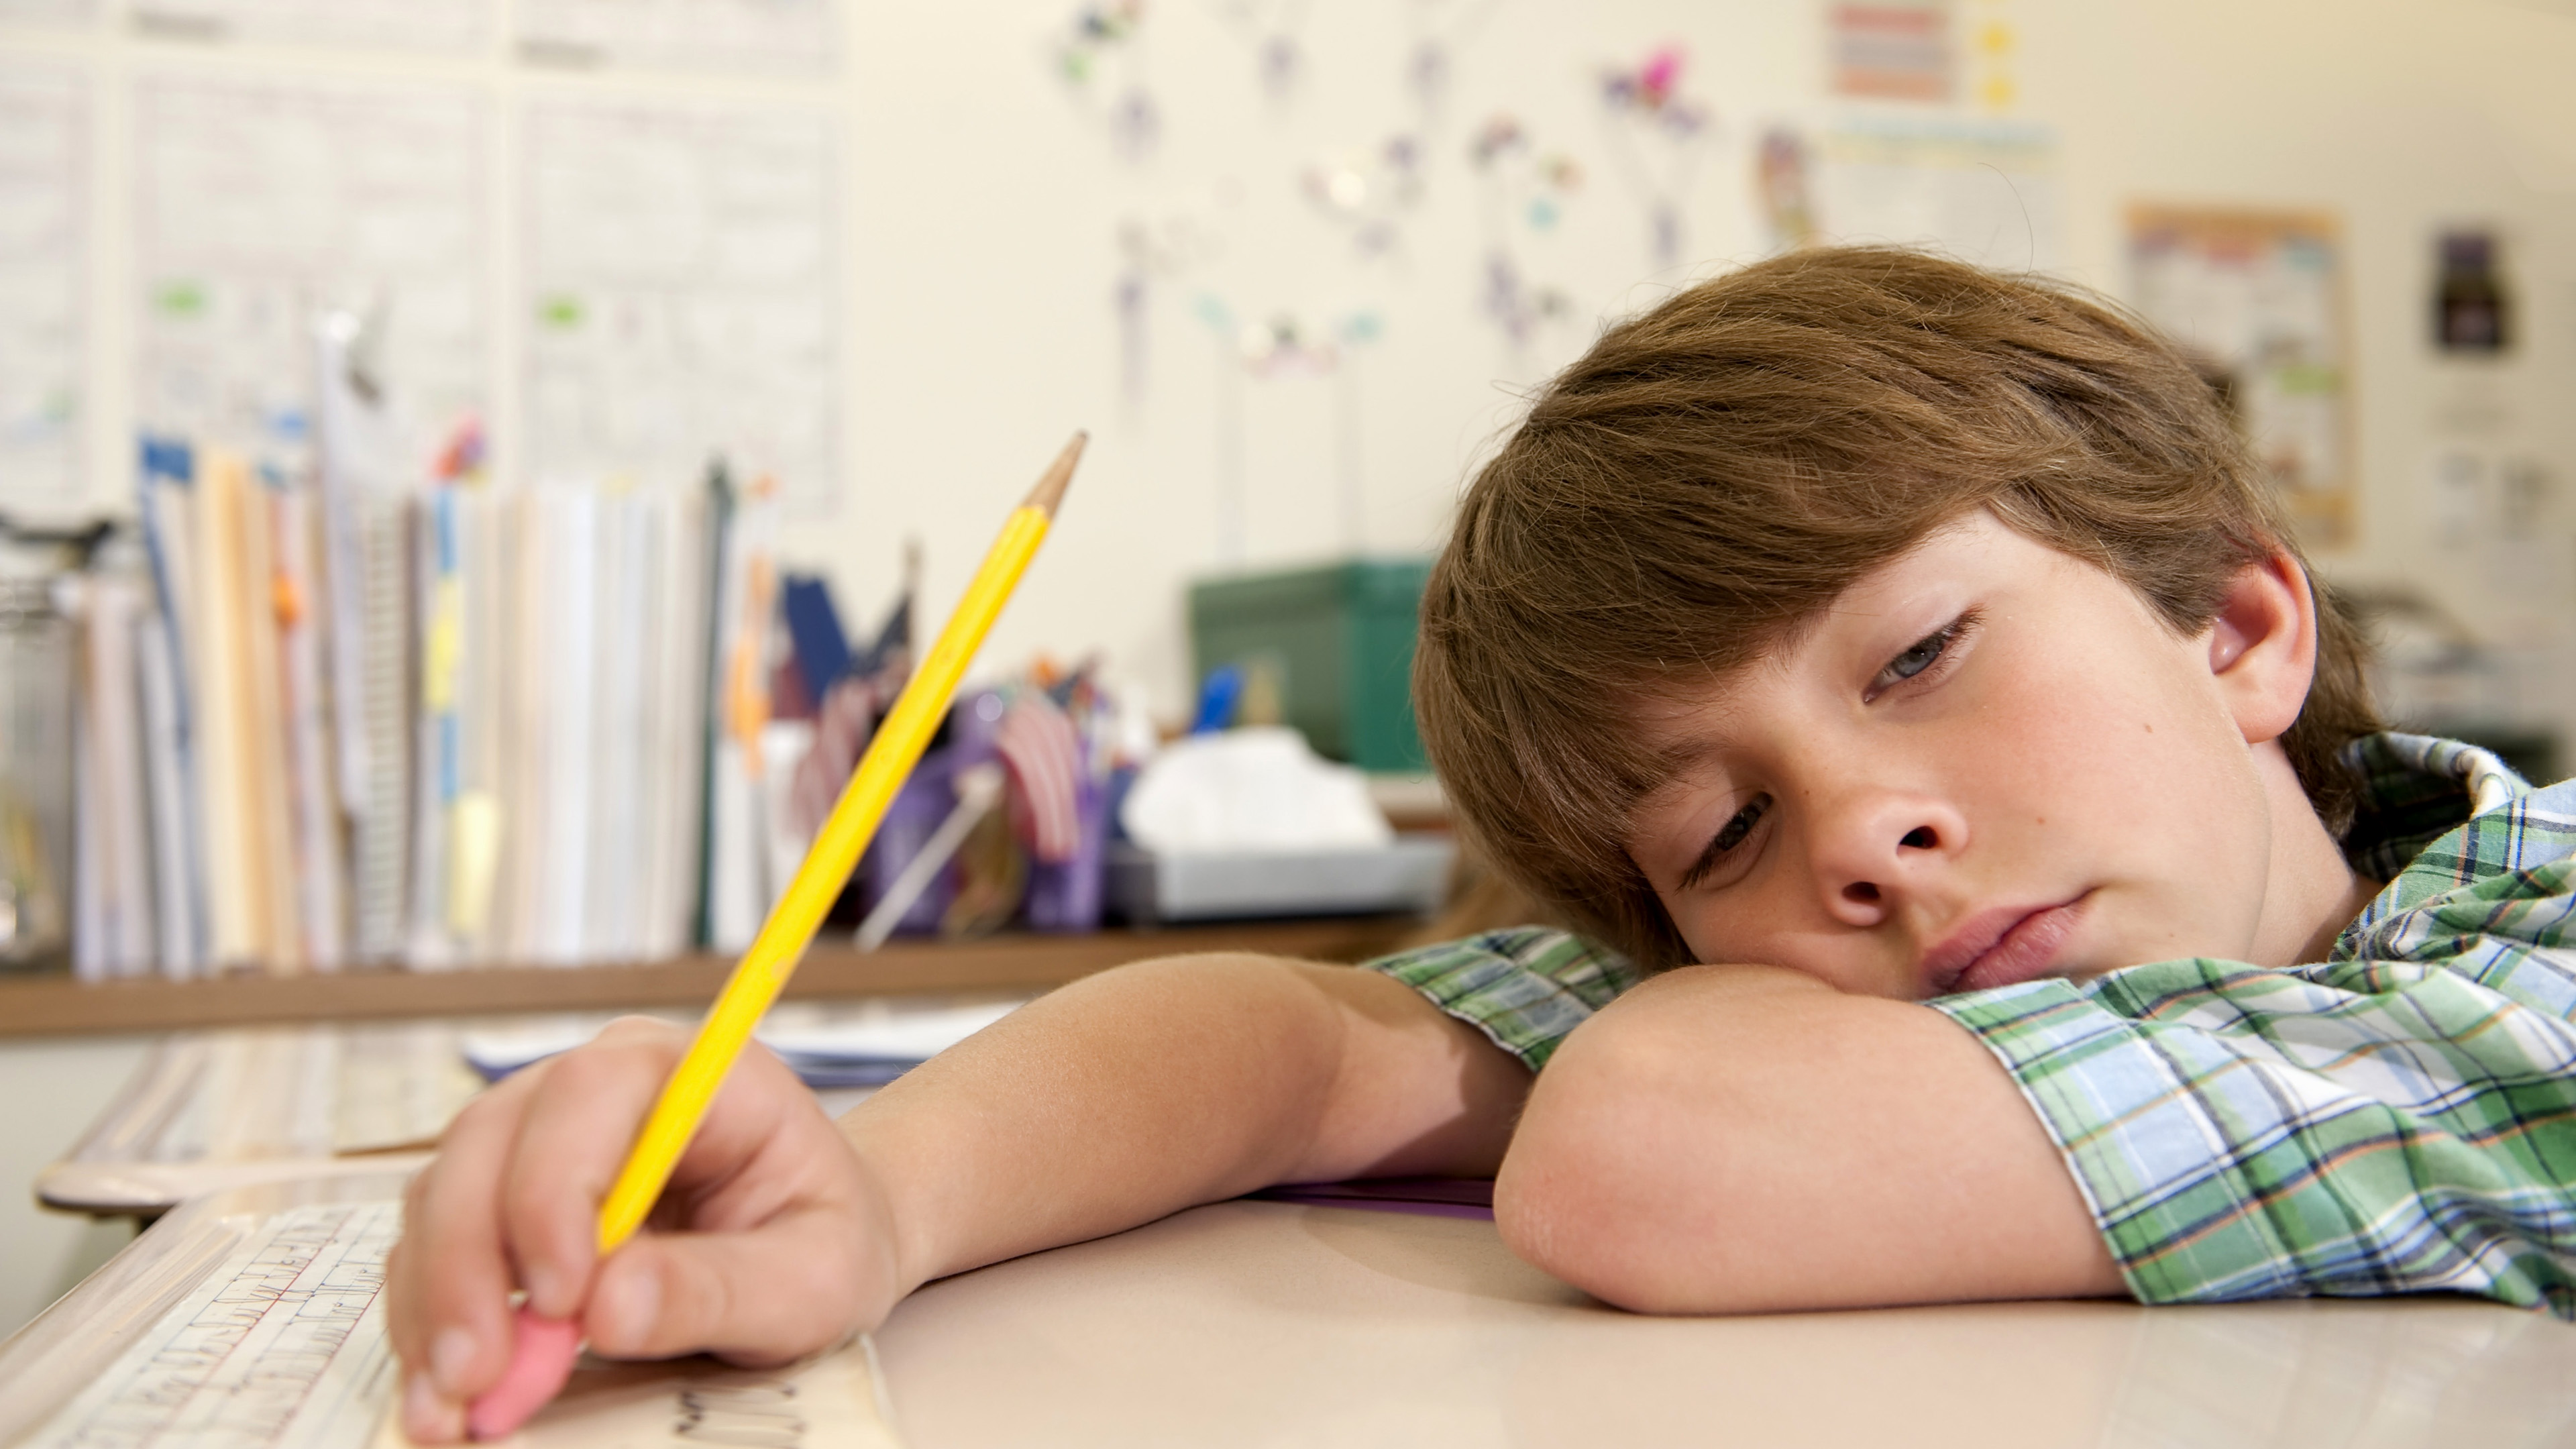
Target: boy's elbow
pixel 1577 1200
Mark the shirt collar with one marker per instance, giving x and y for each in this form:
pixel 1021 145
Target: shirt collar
pixel 2415 789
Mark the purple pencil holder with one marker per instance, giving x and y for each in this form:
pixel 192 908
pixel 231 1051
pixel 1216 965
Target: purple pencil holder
pixel 910 819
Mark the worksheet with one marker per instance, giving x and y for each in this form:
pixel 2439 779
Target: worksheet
pixel 44 292
pixel 49 12
pixel 283 1347
pixel 259 203
pixel 683 294
pixel 431 25
pixel 776 37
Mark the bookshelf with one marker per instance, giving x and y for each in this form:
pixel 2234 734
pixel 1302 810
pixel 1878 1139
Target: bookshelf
pixel 54 1005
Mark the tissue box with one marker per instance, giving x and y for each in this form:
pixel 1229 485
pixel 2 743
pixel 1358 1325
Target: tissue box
pixel 1409 873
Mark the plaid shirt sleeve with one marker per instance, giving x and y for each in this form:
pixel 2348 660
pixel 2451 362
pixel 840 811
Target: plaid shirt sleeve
pixel 2399 1118
pixel 1524 988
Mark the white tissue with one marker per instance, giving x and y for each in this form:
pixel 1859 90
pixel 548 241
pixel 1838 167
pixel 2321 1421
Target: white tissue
pixel 1250 790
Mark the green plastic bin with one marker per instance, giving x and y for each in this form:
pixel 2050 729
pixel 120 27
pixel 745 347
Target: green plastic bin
pixel 1341 637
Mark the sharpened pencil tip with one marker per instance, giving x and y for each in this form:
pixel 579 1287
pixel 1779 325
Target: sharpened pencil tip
pixel 1050 489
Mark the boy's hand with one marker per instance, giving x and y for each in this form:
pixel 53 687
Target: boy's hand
pixel 771 1241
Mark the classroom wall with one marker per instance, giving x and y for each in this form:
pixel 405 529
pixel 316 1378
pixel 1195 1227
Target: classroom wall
pixel 2400 116
pixel 983 198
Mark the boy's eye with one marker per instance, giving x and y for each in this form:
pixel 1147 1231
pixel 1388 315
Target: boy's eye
pixel 1729 836
pixel 1922 655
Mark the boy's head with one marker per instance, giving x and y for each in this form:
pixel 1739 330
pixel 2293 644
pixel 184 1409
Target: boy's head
pixel 1692 503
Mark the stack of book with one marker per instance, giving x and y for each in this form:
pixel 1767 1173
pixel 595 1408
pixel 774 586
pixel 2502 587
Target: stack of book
pixel 320 723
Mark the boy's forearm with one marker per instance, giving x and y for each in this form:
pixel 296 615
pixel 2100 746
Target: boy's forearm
pixel 1150 1088
pixel 1743 1139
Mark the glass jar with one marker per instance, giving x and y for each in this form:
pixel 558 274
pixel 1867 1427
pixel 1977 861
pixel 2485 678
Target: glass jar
pixel 35 775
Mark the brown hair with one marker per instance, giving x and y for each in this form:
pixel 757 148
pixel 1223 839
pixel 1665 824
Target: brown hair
pixel 1713 473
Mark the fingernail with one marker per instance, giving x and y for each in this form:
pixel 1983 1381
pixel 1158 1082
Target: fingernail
pixel 541 1283
pixel 428 1416
pixel 451 1357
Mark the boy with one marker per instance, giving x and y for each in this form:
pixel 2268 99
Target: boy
pixel 1920 647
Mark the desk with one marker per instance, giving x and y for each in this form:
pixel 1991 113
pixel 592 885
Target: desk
pixel 57 1005
pixel 213 1110
pixel 324 1082
pixel 1268 1323
pixel 1259 1322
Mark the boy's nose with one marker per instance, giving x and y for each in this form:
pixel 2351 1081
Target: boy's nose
pixel 1873 851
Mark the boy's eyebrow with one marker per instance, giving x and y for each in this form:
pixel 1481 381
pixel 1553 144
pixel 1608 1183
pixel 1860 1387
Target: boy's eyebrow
pixel 1672 764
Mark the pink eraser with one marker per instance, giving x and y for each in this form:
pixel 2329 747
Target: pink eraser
pixel 542 1352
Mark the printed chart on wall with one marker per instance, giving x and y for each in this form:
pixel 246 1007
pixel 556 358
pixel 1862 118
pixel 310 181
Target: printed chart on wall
pixel 682 295
pixel 1982 190
pixel 2257 299
pixel 260 204
pixel 431 25
pixel 43 159
pixel 768 37
pixel 49 12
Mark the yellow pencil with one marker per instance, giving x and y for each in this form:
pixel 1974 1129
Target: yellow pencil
pixel 543 1353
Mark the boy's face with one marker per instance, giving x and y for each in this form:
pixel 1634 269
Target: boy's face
pixel 1986 762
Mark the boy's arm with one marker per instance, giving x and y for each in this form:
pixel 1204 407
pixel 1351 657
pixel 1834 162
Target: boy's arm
pixel 1170 1083
pixel 1109 1103
pixel 1743 1139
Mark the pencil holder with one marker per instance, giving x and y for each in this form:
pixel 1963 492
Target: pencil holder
pixel 1065 896
pixel 910 821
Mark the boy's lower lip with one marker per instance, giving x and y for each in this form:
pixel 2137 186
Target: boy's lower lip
pixel 2026 951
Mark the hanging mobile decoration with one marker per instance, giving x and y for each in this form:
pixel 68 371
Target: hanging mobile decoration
pixel 1525 193
pixel 1370 195
pixel 1440 28
pixel 1099 57
pixel 1284 347
pixel 1152 253
pixel 1271 26
pixel 1658 135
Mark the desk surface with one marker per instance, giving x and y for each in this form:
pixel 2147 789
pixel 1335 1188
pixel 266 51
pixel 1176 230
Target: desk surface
pixel 1268 1323
pixel 1265 1323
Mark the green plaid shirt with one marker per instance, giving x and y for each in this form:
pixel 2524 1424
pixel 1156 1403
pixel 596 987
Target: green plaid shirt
pixel 2400 1117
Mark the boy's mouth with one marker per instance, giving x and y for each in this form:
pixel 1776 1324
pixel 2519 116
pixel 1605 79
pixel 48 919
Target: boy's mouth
pixel 2001 947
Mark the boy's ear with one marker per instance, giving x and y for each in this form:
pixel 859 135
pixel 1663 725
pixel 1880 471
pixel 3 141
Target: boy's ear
pixel 2263 646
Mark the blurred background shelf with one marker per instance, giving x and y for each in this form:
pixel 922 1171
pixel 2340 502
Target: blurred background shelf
pixel 56 1005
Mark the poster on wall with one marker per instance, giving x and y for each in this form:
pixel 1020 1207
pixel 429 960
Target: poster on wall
pixel 2256 298
pixel 49 12
pixel 43 292
pixel 260 204
pixel 449 26
pixel 682 296
pixel 1982 190
pixel 1894 50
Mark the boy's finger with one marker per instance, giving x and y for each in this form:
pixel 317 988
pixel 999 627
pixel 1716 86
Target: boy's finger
pixel 789 1289
pixel 448 1283
pixel 570 1148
